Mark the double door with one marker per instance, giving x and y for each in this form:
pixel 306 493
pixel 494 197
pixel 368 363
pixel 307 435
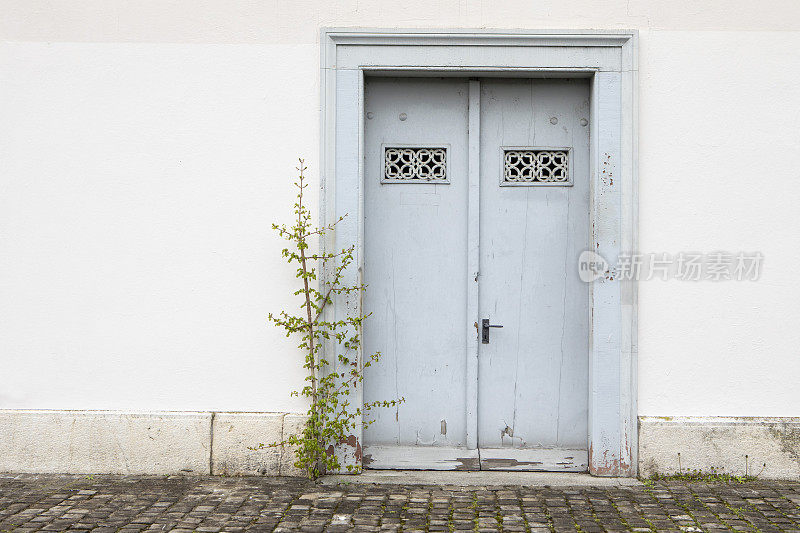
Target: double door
pixel 476 209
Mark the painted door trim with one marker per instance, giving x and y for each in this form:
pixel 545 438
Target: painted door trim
pixel 610 59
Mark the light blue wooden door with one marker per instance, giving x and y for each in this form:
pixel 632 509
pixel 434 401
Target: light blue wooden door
pixel 415 241
pixel 534 223
pixel 476 208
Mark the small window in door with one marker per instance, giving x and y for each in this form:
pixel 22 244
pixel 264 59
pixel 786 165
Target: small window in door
pixel 415 164
pixel 530 166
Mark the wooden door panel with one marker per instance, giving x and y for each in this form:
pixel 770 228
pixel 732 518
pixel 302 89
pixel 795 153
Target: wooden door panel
pixel 533 375
pixel 415 266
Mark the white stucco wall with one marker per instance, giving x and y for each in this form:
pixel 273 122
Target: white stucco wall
pixel 145 149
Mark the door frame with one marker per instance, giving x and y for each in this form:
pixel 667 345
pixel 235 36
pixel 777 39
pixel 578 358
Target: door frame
pixel 609 59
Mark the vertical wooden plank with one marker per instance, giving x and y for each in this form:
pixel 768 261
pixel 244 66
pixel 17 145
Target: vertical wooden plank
pixel 473 258
pixel 416 271
pixel 533 375
pixel 605 442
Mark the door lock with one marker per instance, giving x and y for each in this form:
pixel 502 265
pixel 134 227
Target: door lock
pixel 485 330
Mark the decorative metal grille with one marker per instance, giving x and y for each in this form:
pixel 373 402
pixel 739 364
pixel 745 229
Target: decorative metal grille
pixel 414 165
pixel 536 167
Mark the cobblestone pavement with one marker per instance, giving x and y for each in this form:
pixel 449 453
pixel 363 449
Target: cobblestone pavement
pixel 209 504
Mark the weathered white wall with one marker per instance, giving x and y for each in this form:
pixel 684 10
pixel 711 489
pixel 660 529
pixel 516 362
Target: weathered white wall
pixel 139 184
pixel 719 170
pixel 145 148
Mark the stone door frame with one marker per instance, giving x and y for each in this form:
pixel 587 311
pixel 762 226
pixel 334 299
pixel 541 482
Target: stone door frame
pixel 609 59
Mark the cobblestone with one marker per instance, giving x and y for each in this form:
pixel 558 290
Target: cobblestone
pixel 214 504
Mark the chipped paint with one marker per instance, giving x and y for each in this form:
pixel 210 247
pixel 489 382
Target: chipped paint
pixel 349 451
pixel 490 464
pixel 352 442
pixel 606 174
pixel 566 464
pixel 420 458
pixel 609 464
pixel 468 463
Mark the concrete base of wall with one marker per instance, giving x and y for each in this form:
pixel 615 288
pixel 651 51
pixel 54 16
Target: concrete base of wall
pixel 113 442
pixel 116 442
pixel 767 447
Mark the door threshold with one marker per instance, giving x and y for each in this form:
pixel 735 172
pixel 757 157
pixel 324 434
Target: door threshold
pixel 535 459
pixel 378 457
pixel 420 458
pixel 479 479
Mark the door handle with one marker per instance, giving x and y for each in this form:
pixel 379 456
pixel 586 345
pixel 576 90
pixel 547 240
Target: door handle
pixel 485 330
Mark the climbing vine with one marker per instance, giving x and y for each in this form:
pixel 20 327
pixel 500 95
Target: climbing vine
pixel 331 416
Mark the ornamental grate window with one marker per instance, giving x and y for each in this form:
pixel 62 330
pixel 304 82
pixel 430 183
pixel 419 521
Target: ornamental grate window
pixel 415 164
pixel 534 166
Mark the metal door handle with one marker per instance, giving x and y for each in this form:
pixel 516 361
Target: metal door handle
pixel 485 330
